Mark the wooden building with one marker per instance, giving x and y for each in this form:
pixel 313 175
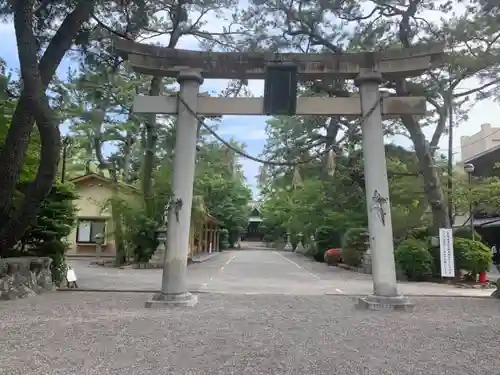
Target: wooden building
pixel 95 218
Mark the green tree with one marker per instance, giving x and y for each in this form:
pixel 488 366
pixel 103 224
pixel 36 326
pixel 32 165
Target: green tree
pixel 35 27
pixel 472 41
pixel 56 218
pixel 47 235
pixel 50 30
pixel 220 181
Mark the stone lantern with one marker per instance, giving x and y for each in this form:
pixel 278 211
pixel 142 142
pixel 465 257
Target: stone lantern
pixel 159 255
pixel 300 247
pixel 288 244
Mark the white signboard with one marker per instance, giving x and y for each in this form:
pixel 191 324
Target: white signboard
pixel 70 275
pixel 446 252
pixel 84 231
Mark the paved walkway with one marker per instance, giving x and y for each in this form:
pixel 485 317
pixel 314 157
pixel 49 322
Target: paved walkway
pixel 257 272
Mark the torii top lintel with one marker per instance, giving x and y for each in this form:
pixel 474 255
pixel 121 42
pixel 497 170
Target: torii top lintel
pixel 162 61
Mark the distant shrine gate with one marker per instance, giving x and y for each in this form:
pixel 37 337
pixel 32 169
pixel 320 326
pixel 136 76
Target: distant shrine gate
pixel 281 73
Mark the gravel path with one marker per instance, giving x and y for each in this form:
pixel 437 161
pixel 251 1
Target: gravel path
pixel 111 333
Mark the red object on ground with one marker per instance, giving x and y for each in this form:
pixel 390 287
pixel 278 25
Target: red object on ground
pixel 333 252
pixel 332 256
pixel 482 277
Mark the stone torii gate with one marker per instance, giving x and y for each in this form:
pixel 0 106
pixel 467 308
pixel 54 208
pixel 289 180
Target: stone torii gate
pixel 367 70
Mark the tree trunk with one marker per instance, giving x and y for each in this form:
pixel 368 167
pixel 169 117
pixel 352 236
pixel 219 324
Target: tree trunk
pixel 127 154
pixel 149 155
pixel 32 105
pixel 425 155
pixel 116 215
pixel 121 251
pixel 432 183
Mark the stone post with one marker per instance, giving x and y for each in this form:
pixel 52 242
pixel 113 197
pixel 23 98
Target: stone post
pixel 385 291
pixel 217 240
pixel 212 240
pixel 99 240
pixel 174 281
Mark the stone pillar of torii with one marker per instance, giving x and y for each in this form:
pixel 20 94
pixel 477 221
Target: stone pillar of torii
pixel 367 69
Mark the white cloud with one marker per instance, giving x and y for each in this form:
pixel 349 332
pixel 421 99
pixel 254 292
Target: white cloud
pixel 243 128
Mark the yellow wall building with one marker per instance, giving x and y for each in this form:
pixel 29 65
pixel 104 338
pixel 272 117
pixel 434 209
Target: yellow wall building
pixel 94 191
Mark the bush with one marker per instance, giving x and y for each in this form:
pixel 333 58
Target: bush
pixel 472 256
pixel 141 236
pixel 414 259
pixel 332 256
pixel 54 222
pixel 422 233
pixel 268 238
pixel 466 232
pixel 354 246
pixel 55 249
pixel 223 239
pixel 326 238
pixel 55 219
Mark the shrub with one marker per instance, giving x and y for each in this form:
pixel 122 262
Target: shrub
pixel 354 246
pixel 326 238
pixel 332 256
pixel 223 239
pixel 55 249
pixel 472 256
pixel 54 222
pixel 268 238
pixel 141 236
pixel 466 232
pixel 56 217
pixel 421 233
pixel 414 259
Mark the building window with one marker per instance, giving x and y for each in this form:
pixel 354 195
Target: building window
pixel 87 230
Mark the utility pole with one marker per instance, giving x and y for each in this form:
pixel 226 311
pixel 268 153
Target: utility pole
pixel 450 151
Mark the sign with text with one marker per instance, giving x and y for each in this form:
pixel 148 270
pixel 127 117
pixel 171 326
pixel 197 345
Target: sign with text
pixel 446 252
pixel 70 275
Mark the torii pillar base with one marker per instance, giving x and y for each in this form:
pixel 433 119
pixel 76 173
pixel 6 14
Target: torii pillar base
pixel 381 303
pixel 172 300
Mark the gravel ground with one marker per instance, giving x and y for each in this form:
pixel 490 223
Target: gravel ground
pixel 111 333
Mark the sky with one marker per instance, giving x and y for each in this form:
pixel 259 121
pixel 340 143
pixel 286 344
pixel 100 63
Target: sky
pixel 250 130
